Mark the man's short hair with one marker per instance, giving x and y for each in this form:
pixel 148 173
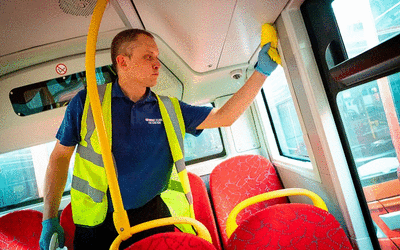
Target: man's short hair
pixel 123 37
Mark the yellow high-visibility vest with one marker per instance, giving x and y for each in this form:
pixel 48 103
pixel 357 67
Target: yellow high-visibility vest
pixel 89 186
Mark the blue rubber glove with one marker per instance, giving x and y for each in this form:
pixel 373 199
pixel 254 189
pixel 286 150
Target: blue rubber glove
pixel 265 64
pixel 50 227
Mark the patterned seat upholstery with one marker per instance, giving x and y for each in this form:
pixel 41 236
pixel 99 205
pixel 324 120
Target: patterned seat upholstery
pixel 202 208
pixel 289 226
pixel 21 230
pixel 176 241
pixel 237 179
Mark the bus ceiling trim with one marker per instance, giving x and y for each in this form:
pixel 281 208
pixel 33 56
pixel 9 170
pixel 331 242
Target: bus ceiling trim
pixel 52 51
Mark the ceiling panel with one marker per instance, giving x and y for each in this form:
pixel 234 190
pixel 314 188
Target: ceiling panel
pixel 196 30
pixel 244 32
pixel 28 24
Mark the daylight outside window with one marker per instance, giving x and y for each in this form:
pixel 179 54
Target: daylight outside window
pixel 284 117
pixel 22 174
pixel 366 23
pixel 206 146
pixel 22 171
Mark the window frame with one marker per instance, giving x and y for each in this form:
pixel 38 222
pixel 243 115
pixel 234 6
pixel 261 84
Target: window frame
pixel 306 169
pixel 303 168
pixel 332 60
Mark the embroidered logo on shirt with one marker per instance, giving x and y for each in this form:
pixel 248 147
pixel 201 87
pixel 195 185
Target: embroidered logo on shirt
pixel 153 121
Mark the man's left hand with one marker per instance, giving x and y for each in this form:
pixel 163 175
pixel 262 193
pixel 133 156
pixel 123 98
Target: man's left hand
pixel 265 64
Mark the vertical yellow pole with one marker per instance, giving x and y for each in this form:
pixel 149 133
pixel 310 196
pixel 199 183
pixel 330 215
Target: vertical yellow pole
pixel 121 220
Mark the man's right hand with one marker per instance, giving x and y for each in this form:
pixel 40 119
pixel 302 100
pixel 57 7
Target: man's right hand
pixel 50 227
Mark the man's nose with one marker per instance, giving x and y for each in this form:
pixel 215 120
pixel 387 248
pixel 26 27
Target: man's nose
pixel 157 64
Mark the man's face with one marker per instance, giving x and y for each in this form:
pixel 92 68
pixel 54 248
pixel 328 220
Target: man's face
pixel 143 66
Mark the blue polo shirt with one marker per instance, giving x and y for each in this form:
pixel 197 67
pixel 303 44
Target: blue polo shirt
pixel 139 141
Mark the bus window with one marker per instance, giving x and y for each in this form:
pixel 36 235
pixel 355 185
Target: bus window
pixel 367 130
pixel 22 175
pixel 374 22
pixel 368 133
pixel 54 93
pixel 208 145
pixel 284 118
pixel 362 110
pixel 364 100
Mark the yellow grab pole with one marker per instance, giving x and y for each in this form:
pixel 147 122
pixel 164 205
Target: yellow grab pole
pixel 201 230
pixel 231 224
pixel 120 216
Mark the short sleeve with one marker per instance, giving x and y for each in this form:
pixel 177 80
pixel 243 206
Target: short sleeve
pixel 194 116
pixel 69 132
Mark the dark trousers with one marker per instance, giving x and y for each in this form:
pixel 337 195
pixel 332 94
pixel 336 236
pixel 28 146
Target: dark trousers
pixel 102 236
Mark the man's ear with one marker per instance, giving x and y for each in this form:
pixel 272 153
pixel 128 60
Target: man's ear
pixel 121 62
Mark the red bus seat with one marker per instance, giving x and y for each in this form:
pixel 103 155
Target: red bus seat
pixel 21 230
pixel 237 179
pixel 202 208
pixel 176 241
pixel 289 226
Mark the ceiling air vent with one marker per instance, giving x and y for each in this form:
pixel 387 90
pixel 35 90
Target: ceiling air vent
pixel 78 7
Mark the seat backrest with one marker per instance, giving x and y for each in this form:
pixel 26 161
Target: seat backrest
pixel 69 227
pixel 176 241
pixel 237 179
pixel 289 226
pixel 21 230
pixel 202 207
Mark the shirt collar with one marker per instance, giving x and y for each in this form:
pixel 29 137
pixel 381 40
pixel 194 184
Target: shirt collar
pixel 149 96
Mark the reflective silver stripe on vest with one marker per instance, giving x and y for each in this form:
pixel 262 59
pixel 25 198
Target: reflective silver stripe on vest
pixel 175 122
pixel 89 154
pixel 90 120
pixel 84 187
pixel 189 197
pixel 180 165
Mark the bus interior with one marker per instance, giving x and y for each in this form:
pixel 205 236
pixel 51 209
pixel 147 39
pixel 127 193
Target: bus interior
pixel 327 118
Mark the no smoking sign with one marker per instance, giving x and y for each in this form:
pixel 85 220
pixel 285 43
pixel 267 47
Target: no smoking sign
pixel 61 69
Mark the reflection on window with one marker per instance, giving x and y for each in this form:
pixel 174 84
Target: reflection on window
pixel 208 145
pixel 55 93
pixel 22 174
pixel 366 125
pixel 284 118
pixel 364 24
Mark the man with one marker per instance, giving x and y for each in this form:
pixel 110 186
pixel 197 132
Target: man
pixel 142 155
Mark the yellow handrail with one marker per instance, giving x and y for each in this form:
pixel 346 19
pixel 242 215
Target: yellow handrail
pixel 231 224
pixel 120 216
pixel 201 230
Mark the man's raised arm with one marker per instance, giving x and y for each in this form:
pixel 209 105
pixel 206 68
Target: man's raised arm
pixel 241 100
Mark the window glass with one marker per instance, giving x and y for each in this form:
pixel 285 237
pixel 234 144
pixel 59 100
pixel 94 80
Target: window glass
pixel 55 93
pixel 22 171
pixel 206 146
pixel 366 125
pixel 365 23
pixel 22 174
pixel 284 117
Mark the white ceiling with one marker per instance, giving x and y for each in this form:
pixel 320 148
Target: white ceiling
pixel 28 24
pixel 207 34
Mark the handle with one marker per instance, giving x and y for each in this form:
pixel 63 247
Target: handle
pixel 54 243
pixel 231 222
